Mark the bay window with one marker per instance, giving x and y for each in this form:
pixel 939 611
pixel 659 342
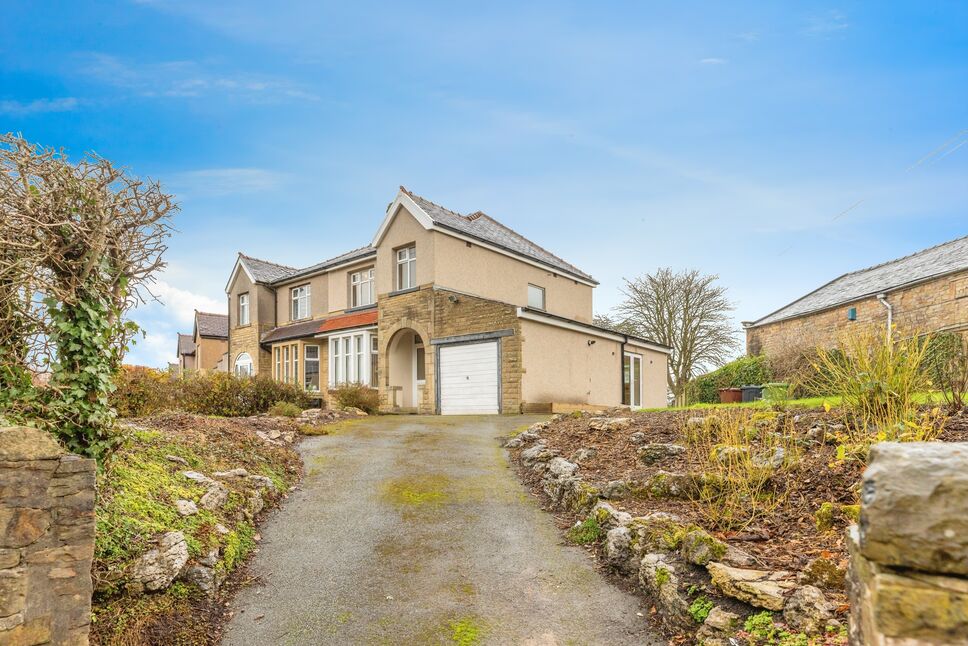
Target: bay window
pixel 353 358
pixel 311 368
pixel 361 288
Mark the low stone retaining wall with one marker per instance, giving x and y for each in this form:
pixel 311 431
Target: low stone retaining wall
pixel 677 564
pixel 46 540
pixel 908 579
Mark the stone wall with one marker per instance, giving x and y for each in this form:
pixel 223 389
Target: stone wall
pixel 47 542
pixel 928 307
pixel 432 314
pixel 908 579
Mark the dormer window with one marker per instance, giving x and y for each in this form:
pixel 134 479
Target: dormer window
pixel 361 288
pixel 407 267
pixel 300 303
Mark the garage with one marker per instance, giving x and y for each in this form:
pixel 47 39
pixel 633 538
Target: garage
pixel 469 378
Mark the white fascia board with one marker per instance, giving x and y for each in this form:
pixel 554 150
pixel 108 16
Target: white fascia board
pixel 235 270
pixel 577 327
pixel 344 332
pixel 402 200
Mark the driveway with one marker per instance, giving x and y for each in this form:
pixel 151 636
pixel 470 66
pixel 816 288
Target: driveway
pixel 414 530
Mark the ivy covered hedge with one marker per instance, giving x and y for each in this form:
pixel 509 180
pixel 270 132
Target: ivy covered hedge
pixel 744 371
pixel 139 392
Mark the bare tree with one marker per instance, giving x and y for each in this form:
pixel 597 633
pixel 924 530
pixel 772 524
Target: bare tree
pixel 80 243
pixel 686 311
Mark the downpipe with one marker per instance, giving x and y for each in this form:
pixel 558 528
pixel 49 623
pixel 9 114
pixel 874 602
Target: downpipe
pixel 890 314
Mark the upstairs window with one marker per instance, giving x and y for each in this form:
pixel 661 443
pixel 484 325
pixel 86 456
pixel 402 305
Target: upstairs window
pixel 300 303
pixel 406 267
pixel 243 309
pixel 536 297
pixel 361 288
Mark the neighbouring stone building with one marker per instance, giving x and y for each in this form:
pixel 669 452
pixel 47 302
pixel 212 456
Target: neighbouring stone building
pixel 440 313
pixel 46 540
pixel 924 292
pixel 206 348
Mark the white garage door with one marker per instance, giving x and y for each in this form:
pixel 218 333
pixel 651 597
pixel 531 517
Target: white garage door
pixel 468 379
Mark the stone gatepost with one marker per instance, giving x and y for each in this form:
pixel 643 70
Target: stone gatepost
pixel 908 579
pixel 46 540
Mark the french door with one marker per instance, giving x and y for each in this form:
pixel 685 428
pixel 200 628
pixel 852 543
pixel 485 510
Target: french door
pixel 632 374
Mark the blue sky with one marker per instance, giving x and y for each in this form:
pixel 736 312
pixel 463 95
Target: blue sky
pixel 775 144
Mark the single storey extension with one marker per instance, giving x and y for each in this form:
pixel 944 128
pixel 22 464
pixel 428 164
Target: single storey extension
pixel 441 313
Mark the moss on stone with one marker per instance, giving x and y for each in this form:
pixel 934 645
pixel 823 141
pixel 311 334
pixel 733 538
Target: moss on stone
pixel 589 531
pixel 466 631
pixel 824 516
pixel 662 576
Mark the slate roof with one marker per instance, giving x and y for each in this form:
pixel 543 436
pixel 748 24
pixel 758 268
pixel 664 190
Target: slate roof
pixel 186 344
pixel 935 261
pixel 292 331
pixel 212 325
pixel 264 271
pixel 483 227
pixel 356 254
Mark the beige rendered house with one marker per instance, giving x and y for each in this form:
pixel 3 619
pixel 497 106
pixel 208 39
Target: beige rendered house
pixel 441 313
pixel 924 292
pixel 206 348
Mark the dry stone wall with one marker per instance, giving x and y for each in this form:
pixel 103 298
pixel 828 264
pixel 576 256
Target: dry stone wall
pixel 46 542
pixel 908 578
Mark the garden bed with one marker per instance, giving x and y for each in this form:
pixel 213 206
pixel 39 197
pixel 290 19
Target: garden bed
pixel 179 504
pixel 647 462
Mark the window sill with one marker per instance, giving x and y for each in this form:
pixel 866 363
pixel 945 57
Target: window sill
pixel 359 308
pixel 400 292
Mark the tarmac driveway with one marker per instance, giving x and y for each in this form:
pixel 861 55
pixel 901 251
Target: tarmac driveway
pixel 414 530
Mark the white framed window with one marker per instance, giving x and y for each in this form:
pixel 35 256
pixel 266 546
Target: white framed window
pixel 632 379
pixel 243 365
pixel 285 363
pixel 299 297
pixel 361 288
pixel 243 309
pixel 536 297
pixel 277 352
pixel 295 364
pixel 406 267
pixel 353 359
pixel 311 367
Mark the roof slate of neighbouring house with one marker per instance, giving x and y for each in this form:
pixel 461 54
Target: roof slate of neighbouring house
pixel 212 325
pixel 935 261
pixel 264 271
pixel 186 344
pixel 483 227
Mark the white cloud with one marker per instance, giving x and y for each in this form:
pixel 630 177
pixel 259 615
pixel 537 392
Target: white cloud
pixel 189 79
pixel 225 181
pixel 180 304
pixel 713 61
pixel 19 108
pixel 827 24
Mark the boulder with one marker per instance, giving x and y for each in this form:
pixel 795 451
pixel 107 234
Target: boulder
pixel 616 490
pixel 807 610
pixel 262 482
pixel 537 453
pixel 157 568
pixel 527 437
pixel 618 550
pixel 700 548
pixel 659 580
pixel 719 624
pixel 205 578
pixel 215 497
pixel 513 443
pixel 200 478
pixel 255 502
pixel 773 460
pixel 656 452
pixel 177 460
pixel 667 484
pixel 637 438
pixel 233 473
pixel 695 423
pixel 727 453
pixel 738 558
pixel 186 507
pixel 908 495
pixel 609 423
pixel 656 532
pixel 759 588
pixel 584 454
pixel 561 468
pixel 608 517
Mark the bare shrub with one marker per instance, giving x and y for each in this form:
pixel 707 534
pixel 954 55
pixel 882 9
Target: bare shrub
pixel 357 396
pixel 744 457
pixel 947 366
